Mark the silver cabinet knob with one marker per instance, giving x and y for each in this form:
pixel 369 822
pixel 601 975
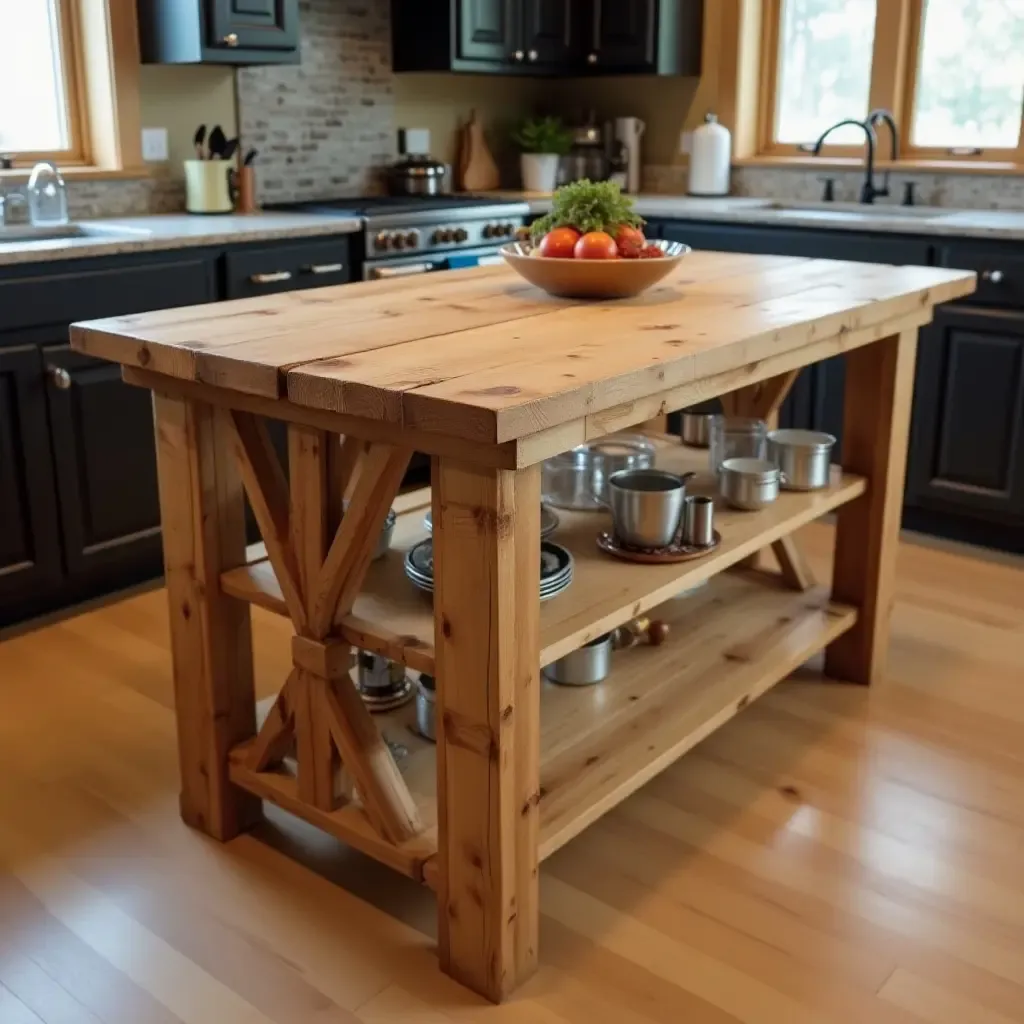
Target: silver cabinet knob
pixel 993 276
pixel 532 55
pixel 518 55
pixel 59 377
pixel 591 58
pixel 231 39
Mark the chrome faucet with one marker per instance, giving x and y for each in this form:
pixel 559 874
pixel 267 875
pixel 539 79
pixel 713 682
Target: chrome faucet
pixel 868 191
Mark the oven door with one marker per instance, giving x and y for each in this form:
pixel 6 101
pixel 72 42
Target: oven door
pixel 409 266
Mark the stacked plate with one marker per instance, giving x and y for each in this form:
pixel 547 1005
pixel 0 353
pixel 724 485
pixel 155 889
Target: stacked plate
pixel 555 567
pixel 548 521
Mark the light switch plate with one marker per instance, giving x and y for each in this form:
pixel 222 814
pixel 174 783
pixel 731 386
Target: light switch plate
pixel 154 144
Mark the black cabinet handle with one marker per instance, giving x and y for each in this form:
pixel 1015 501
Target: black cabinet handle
pixel 59 377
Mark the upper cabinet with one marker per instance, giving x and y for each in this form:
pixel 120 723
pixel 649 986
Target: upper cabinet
pixel 219 31
pixel 548 37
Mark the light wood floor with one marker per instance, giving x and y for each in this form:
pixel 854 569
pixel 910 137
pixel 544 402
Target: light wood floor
pixel 834 855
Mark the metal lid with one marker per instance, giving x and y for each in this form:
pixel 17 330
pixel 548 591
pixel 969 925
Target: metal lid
pixel 810 440
pixel 757 470
pixel 419 167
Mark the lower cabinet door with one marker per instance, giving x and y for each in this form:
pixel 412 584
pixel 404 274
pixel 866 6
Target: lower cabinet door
pixel 105 462
pixel 967 446
pixel 29 537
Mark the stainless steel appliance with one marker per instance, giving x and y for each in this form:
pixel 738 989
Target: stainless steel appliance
pixel 420 234
pixel 416 175
pixel 588 157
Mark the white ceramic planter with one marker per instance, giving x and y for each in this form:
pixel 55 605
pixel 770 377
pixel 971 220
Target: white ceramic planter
pixel 539 171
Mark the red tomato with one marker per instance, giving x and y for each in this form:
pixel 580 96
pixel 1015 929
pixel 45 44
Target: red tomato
pixel 629 238
pixel 559 243
pixel 596 245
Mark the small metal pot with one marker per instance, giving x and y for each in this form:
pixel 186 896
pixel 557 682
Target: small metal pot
pixel 696 429
pixel 803 456
pixel 418 176
pixel 426 717
pixel 646 506
pixel 386 533
pixel 749 484
pixel 583 667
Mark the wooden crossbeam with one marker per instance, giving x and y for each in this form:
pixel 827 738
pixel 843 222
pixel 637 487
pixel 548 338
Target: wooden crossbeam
pixel 344 568
pixel 267 488
pixel 793 564
pixel 277 734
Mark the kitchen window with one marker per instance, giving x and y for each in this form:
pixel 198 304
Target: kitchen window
pixel 950 70
pixel 41 114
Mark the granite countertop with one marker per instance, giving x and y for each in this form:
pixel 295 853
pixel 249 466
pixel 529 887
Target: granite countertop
pixel 175 231
pixel 1006 225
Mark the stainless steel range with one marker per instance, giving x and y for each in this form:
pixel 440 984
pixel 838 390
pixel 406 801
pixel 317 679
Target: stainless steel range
pixel 420 234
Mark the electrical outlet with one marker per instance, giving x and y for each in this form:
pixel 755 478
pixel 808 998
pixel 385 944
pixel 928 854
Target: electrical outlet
pixel 154 145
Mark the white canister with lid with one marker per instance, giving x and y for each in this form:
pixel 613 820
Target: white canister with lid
pixel 710 154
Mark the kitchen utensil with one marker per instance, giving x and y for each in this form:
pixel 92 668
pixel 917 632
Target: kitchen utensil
pixel 710 153
pixel 578 479
pixel 207 188
pixel 803 456
pixel 585 666
pixel 646 506
pixel 250 157
pixel 418 175
pixel 216 142
pixel 736 437
pixel 480 172
pixel 698 521
pixel 197 142
pixel 593 279
pixel 629 131
pixel 548 521
pixel 382 683
pixel 229 149
pixel 696 429
pixel 426 717
pixel 677 551
pixel 749 484
pixel 586 157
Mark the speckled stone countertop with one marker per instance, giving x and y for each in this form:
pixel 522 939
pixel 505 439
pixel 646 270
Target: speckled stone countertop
pixel 174 231
pixel 999 225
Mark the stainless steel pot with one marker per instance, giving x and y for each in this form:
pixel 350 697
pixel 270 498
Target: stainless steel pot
pixel 803 456
pixel 646 505
pixel 578 479
pixel 426 716
pixel 418 176
pixel 585 666
pixel 696 432
pixel 749 484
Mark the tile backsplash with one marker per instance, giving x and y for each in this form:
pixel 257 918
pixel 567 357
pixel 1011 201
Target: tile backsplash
pixel 119 197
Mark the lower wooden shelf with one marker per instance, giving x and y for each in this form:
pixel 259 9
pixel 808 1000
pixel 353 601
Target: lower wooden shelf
pixel 729 642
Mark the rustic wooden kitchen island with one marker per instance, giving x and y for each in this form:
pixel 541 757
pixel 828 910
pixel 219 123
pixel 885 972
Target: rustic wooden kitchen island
pixel 490 377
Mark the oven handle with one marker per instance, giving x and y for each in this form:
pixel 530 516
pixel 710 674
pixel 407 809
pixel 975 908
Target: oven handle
pixel 380 273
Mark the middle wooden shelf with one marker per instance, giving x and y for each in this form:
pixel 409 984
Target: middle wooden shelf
pixel 393 618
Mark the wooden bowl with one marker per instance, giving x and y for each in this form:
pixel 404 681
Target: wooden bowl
pixel 593 279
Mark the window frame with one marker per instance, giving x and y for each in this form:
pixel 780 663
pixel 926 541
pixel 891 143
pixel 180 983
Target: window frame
pixel 72 63
pixel 895 59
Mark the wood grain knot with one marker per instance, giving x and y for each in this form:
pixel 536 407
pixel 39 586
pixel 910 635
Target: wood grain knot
pixel 498 389
pixel 144 356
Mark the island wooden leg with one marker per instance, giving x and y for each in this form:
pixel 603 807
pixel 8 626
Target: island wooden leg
pixel 876 423
pixel 202 514
pixel 487 638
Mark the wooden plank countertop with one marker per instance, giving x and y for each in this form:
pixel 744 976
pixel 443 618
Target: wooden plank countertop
pixel 480 355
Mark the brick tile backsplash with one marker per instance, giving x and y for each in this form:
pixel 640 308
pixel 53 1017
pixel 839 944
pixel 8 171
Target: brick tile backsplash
pixel 323 127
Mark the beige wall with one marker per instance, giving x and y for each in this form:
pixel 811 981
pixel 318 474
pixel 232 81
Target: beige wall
pixel 180 98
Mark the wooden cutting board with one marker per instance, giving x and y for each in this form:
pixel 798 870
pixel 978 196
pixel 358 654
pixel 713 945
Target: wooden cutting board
pixel 479 171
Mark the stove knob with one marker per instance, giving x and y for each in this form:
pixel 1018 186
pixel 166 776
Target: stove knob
pixel 397 241
pixel 461 234
pixel 412 239
pixel 508 229
pixel 382 241
pixel 492 230
pixel 447 234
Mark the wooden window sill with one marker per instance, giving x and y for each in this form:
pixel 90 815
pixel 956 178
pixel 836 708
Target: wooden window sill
pixel 847 163
pixel 78 173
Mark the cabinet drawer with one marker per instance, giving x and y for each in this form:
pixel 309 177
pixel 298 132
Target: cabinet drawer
pixel 89 294
pixel 285 268
pixel 1000 271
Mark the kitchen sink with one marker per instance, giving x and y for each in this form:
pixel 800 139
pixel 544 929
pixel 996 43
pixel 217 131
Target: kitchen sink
pixel 858 211
pixel 21 233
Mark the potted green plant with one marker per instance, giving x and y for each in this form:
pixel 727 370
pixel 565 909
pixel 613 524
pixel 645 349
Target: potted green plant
pixel 543 141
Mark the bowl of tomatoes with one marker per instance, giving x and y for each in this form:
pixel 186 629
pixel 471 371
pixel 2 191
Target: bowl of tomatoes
pixel 592 246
